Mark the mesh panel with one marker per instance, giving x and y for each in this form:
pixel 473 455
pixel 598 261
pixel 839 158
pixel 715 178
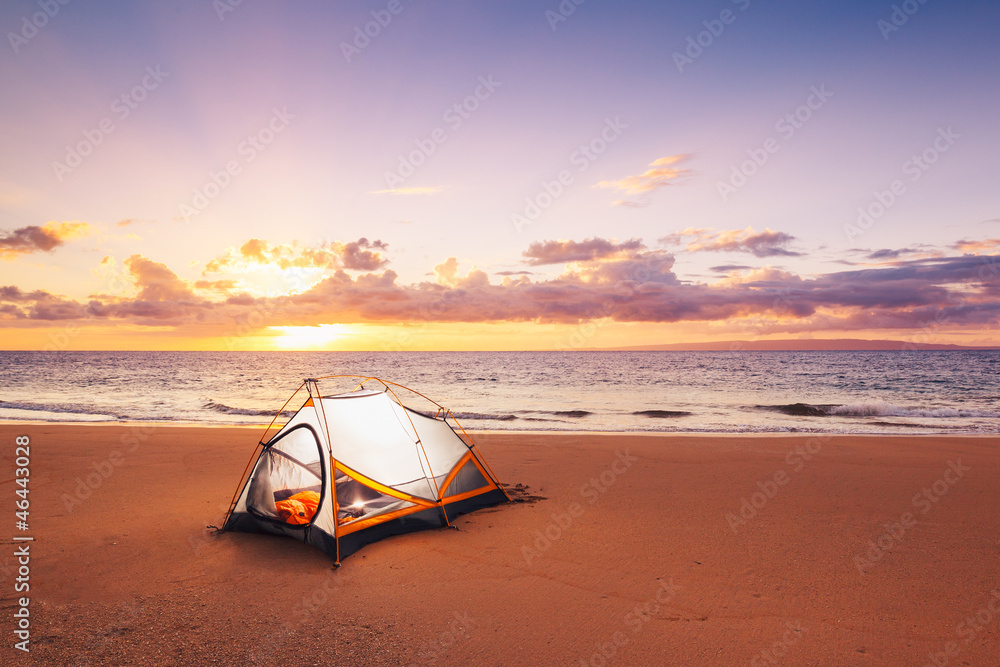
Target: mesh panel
pixel 467 479
pixel 359 501
pixel 421 488
pixel 288 467
pixel 443 446
pixel 260 496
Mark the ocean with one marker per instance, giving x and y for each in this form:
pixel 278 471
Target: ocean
pixel 912 392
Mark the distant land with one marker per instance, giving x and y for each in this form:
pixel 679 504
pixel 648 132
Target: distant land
pixel 800 345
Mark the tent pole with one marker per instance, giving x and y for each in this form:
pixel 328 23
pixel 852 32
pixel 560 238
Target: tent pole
pixel 437 489
pixel 473 448
pixel 318 406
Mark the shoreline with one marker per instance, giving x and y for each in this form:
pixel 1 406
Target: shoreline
pixel 556 432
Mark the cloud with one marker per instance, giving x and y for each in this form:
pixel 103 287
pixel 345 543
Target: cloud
pixel 886 253
pixel 409 191
pixel 660 175
pixel 40 239
pixel 728 268
pixel 38 305
pixel 447 275
pixel 628 203
pixel 215 285
pixel 363 255
pixel 561 252
pixel 977 247
pixel 642 288
pixel 603 279
pixel 156 282
pixel 360 255
pixel 760 244
pixel 759 276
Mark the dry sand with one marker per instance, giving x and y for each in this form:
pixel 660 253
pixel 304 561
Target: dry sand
pixel 639 561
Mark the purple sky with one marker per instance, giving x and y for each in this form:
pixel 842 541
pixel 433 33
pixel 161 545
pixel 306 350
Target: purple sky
pixel 735 137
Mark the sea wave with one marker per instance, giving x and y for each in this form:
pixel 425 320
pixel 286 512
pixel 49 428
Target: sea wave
pixel 244 412
pixel 874 409
pixel 482 415
pixel 661 414
pixel 60 408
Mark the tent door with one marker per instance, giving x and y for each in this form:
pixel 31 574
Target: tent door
pixel 288 482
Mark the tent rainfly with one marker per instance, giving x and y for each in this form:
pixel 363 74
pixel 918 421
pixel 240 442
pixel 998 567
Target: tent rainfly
pixel 353 468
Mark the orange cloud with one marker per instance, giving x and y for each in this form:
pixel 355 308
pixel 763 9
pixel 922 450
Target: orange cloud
pixel 660 175
pixel 40 239
pixel 156 282
pixel 215 285
pixel 604 280
pixel 447 275
pixel 978 247
pixel 360 255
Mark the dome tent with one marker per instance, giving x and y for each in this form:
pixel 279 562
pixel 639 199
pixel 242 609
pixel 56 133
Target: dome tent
pixel 352 468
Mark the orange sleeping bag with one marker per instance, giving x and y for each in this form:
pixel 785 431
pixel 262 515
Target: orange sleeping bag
pixel 298 509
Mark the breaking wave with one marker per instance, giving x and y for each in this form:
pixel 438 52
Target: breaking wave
pixel 60 408
pixel 661 414
pixel 244 412
pixel 481 415
pixel 873 409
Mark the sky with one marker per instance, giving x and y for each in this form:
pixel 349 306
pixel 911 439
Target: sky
pixel 398 174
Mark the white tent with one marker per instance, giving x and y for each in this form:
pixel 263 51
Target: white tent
pixel 352 468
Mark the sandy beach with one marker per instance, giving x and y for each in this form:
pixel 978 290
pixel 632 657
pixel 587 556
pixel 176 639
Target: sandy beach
pixel 627 549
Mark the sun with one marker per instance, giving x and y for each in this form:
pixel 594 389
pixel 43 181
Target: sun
pixel 318 337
